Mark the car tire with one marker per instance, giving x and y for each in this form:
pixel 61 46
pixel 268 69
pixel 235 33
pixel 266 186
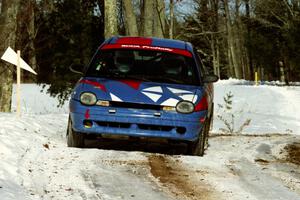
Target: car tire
pixel 74 139
pixel 198 147
pixel 208 129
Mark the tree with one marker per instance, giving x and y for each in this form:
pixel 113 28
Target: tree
pixel 148 15
pixel 130 19
pixel 272 24
pixel 232 50
pixel 248 39
pixel 8 28
pixel 26 34
pixel 111 21
pixel 215 38
pixel 171 24
pixel 32 33
pixel 205 30
pixel 69 32
pixel 151 17
pixel 159 19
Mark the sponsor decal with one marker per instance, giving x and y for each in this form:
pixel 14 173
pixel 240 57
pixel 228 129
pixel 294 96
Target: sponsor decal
pixel 115 98
pixel 146 47
pixel 154 97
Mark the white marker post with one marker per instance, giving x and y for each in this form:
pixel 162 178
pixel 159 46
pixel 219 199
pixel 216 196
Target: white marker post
pixel 18 84
pixel 15 58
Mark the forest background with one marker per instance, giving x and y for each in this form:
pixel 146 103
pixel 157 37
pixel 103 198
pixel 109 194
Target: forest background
pixel 235 38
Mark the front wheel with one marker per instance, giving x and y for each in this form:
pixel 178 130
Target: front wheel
pixel 74 139
pixel 197 148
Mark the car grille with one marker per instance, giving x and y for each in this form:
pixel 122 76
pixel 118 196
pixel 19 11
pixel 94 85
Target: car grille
pixel 150 127
pixel 155 127
pixel 113 124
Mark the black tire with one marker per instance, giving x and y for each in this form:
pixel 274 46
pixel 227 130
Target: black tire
pixel 198 147
pixel 209 128
pixel 74 139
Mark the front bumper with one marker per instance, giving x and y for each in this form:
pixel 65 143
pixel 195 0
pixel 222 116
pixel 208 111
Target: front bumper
pixel 136 122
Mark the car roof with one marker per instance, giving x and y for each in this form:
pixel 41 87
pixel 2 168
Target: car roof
pixel 149 42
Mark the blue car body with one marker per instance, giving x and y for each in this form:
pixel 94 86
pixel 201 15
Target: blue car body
pixel 141 108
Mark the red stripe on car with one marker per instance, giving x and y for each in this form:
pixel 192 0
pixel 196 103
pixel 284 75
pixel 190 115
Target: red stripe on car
pixel 134 84
pixel 93 83
pixel 87 114
pixel 135 40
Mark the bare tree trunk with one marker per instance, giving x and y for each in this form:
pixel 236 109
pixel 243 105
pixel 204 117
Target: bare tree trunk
pixel 230 70
pixel 111 22
pixel 32 34
pixel 148 18
pixel 241 47
pixel 48 5
pixel 218 57
pixel 250 59
pixel 215 37
pixel 130 19
pixel 8 24
pixel 216 54
pixel 141 20
pixel 171 24
pixel 237 35
pixel 159 19
pixel 232 55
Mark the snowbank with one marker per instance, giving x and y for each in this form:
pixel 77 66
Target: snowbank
pixel 271 109
pixel 35 100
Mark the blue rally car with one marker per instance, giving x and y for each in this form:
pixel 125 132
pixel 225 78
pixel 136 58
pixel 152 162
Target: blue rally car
pixel 143 88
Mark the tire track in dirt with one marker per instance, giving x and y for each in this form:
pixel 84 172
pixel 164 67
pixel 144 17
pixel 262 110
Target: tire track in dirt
pixel 293 151
pixel 178 180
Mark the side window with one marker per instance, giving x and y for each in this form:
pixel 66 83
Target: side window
pixel 203 69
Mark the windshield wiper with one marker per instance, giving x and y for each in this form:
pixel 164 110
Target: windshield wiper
pixel 136 78
pixel 167 79
pixel 123 76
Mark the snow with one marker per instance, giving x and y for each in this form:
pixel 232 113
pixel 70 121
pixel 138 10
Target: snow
pixel 35 100
pixel 255 163
pixel 270 108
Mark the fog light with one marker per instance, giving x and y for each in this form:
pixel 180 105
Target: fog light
pixel 102 103
pixel 87 123
pixel 181 130
pixel 168 108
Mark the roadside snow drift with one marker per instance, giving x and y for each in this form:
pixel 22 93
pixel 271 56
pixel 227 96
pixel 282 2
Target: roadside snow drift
pixel 271 109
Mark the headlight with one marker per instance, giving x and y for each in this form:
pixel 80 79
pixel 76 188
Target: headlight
pixel 88 98
pixel 185 107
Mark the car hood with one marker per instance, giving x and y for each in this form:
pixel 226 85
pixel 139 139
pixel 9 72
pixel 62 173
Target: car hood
pixel 133 91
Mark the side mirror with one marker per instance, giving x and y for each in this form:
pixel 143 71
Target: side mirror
pixel 76 68
pixel 210 78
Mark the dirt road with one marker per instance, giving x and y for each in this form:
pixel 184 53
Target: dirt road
pixel 234 167
pixel 178 180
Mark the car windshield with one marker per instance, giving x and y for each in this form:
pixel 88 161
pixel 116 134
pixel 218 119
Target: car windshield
pixel 144 65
